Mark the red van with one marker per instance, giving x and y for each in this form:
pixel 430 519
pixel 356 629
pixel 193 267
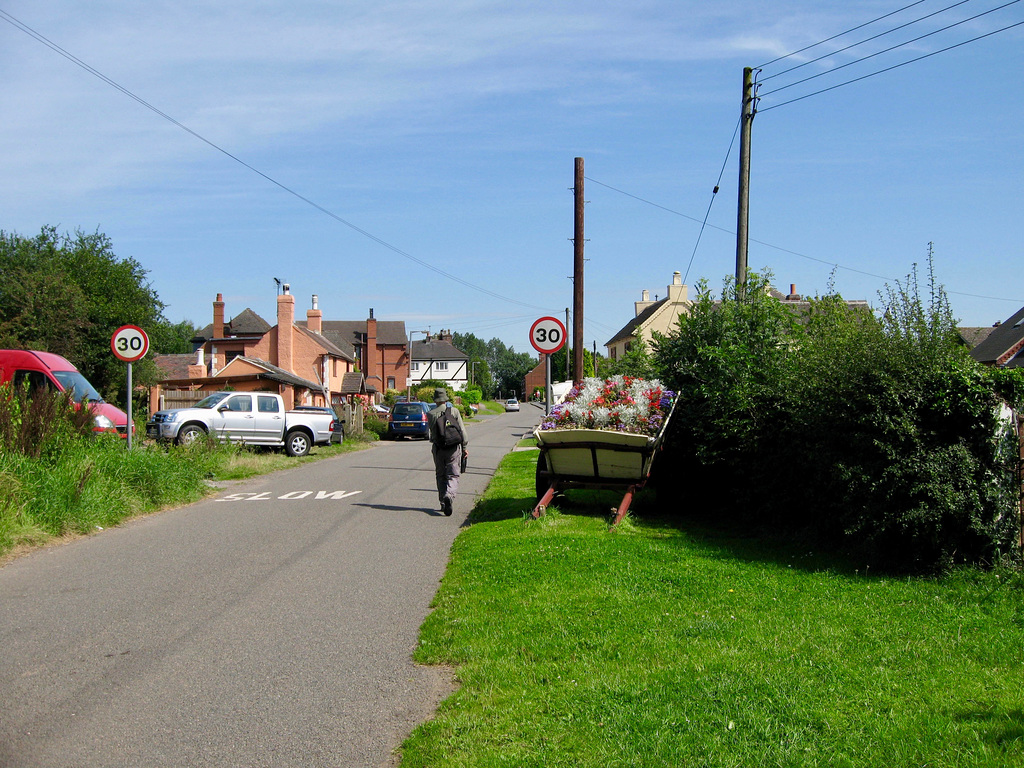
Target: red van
pixel 43 369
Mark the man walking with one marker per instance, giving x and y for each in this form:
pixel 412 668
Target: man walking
pixel 448 445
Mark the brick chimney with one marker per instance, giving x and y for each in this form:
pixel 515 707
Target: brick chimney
pixel 285 321
pixel 218 317
pixel 371 363
pixel 793 295
pixel 314 317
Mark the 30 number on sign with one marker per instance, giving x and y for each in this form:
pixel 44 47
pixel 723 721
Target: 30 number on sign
pixel 129 343
pixel 547 335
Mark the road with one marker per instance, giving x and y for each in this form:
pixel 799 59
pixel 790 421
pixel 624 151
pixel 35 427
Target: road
pixel 271 625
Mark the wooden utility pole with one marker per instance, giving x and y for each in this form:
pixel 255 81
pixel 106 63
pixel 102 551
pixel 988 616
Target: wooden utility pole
pixel 743 204
pixel 568 361
pixel 577 276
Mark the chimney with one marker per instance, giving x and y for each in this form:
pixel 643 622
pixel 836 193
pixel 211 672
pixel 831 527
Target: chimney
pixel 197 370
pixel 677 292
pixel 644 303
pixel 285 322
pixel 218 317
pixel 793 295
pixel 371 362
pixel 314 317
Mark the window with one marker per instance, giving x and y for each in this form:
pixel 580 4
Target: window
pixel 391 382
pixel 268 404
pixel 414 367
pixel 441 366
pixel 33 380
pixel 240 404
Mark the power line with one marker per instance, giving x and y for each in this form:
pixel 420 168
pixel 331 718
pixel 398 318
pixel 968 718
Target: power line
pixel 834 37
pixel 866 40
pixel 96 73
pixel 779 248
pixel 889 69
pixel 895 47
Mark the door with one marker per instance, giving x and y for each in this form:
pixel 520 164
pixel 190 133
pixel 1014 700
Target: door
pixel 235 419
pixel 268 424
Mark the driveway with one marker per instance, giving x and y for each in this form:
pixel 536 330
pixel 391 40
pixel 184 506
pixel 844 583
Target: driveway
pixel 271 625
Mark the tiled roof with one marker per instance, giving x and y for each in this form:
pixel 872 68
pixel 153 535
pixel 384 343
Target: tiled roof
pixel 436 349
pixel 245 323
pixel 1004 344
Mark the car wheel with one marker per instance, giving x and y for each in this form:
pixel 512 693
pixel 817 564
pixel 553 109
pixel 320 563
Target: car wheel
pixel 189 434
pixel 296 443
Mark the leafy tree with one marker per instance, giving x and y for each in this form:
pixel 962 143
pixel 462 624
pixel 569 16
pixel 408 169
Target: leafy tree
pixel 559 362
pixel 68 293
pixel 637 361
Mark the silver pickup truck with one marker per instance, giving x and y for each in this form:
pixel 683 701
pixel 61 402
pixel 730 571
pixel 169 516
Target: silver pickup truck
pixel 252 418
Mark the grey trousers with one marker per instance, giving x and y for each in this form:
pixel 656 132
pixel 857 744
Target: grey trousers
pixel 446 471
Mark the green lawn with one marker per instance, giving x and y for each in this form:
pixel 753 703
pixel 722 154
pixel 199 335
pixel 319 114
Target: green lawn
pixel 669 644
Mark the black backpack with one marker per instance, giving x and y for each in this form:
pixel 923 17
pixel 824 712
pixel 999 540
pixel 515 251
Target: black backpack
pixel 448 433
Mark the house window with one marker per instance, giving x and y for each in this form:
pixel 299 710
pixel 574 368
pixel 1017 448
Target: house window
pixel 391 382
pixel 415 367
pixel 442 366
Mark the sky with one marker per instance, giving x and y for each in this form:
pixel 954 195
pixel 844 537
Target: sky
pixel 417 157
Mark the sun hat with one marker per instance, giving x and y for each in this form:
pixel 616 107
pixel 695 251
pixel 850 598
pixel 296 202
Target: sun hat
pixel 440 395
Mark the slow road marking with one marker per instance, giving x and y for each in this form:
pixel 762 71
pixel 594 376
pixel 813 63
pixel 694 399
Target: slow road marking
pixel 290 496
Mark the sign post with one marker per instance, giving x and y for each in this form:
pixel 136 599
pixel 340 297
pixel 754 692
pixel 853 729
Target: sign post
pixel 547 335
pixel 129 343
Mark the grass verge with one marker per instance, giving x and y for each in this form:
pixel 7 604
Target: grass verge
pixel 662 644
pixel 91 484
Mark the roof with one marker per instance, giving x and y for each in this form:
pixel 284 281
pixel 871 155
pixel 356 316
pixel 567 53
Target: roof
pixel 269 371
pixel 1003 345
pixel 972 336
pixel 349 334
pixel 353 383
pixel 629 330
pixel 174 366
pixel 245 323
pixel 436 349
pixel 326 344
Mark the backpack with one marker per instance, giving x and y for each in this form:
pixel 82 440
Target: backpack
pixel 448 433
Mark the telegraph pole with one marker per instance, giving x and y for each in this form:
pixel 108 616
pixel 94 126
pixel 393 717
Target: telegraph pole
pixel 577 276
pixel 743 205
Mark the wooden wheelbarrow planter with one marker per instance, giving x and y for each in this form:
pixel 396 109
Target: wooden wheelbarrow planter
pixel 593 458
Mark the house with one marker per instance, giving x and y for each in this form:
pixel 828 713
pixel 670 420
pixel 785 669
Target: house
pixel 436 358
pixel 249 354
pixel 379 348
pixel 1004 345
pixel 662 316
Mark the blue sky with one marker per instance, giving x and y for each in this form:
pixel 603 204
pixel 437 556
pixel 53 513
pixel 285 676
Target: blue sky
pixel 436 143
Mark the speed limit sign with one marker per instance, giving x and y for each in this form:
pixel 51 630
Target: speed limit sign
pixel 547 335
pixel 129 343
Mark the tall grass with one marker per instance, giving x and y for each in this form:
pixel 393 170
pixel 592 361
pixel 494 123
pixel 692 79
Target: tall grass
pixel 664 644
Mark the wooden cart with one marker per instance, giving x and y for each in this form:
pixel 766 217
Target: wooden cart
pixel 594 458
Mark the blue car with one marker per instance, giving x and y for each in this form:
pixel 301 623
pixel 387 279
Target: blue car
pixel 409 420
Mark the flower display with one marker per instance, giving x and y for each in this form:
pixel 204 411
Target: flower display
pixel 620 404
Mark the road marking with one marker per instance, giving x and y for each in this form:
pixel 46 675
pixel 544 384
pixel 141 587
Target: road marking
pixel 290 496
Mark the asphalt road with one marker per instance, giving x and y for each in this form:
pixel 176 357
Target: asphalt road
pixel 271 625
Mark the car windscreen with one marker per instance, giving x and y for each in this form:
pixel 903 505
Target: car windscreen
pixel 78 386
pixel 407 409
pixel 212 400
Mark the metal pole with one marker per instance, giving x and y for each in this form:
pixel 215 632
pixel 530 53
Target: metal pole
pixel 577 279
pixel 547 384
pixel 129 425
pixel 743 203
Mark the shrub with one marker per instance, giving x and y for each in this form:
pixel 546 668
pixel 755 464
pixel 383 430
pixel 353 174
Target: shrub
pixel 38 422
pixel 879 434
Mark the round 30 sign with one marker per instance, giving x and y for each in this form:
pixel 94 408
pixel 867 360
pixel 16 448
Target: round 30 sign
pixel 547 335
pixel 129 343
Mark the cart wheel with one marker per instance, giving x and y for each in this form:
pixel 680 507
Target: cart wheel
pixel 542 484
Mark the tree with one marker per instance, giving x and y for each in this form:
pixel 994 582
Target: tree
pixel 68 293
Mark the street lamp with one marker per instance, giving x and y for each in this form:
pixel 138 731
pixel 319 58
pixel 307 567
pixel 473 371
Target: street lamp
pixel 408 388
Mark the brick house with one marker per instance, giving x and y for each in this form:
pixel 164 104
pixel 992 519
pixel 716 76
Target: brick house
pixel 379 348
pixel 248 354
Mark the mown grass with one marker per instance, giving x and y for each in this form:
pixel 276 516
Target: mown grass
pixel 95 483
pixel 672 644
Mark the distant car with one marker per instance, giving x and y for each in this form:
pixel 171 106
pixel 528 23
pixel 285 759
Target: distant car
pixel 511 404
pixel 408 420
pixel 383 410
